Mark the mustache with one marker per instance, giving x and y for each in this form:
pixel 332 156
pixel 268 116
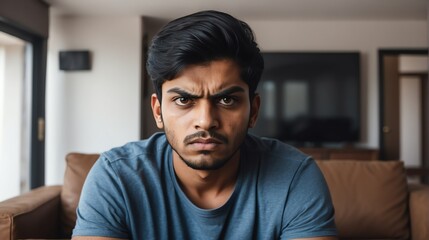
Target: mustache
pixel 204 134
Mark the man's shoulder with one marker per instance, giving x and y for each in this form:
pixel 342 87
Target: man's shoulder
pixel 276 160
pixel 150 147
pixel 273 149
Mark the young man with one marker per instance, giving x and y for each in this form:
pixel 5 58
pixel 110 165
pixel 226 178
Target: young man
pixel 205 177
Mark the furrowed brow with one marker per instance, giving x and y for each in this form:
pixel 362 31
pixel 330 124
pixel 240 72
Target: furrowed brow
pixel 227 92
pixel 183 93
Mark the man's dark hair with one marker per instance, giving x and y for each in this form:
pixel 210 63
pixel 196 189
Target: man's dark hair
pixel 200 38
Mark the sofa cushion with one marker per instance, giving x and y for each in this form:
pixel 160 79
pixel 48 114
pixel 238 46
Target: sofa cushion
pixel 77 168
pixel 369 197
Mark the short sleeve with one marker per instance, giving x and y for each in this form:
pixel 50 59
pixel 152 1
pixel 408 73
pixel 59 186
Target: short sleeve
pixel 308 211
pixel 101 209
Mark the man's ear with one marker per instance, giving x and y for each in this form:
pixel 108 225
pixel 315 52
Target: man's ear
pixel 156 110
pixel 254 110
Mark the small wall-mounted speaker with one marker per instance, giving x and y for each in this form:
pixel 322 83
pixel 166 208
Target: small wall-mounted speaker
pixel 75 60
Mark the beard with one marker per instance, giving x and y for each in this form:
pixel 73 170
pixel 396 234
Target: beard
pixel 204 160
pixel 205 165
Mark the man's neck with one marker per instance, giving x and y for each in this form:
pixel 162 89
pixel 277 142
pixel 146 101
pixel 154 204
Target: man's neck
pixel 207 189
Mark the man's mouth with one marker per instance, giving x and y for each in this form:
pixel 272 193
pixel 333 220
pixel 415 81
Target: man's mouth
pixel 202 137
pixel 204 144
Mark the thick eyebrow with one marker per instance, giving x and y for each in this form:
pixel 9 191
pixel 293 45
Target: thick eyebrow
pixel 220 94
pixel 227 92
pixel 183 93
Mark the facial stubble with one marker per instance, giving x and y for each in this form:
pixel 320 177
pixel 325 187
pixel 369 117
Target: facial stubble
pixel 201 164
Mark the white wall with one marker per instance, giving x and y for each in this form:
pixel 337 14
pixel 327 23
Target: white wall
pixel 410 100
pixel 364 36
pixel 413 64
pixel 410 121
pixel 92 111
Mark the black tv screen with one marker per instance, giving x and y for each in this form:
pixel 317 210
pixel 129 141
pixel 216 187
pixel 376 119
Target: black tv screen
pixel 310 97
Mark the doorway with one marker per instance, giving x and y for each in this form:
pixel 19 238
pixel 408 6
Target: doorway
pixel 33 110
pixel 404 109
pixel 15 115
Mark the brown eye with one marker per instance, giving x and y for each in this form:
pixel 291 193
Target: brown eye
pixel 227 101
pixel 182 101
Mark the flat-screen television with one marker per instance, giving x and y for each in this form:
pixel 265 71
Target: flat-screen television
pixel 310 98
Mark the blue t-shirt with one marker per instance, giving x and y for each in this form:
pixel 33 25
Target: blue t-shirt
pixel 132 192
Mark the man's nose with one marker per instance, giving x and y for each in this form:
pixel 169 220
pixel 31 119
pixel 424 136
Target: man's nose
pixel 206 116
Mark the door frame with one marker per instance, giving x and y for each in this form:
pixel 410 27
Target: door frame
pixel 381 54
pixel 39 61
pixel 424 170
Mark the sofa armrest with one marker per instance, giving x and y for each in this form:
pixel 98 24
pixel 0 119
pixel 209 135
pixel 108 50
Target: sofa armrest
pixel 419 211
pixel 31 215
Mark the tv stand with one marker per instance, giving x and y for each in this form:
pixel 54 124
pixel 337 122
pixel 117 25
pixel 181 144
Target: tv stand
pixel 347 153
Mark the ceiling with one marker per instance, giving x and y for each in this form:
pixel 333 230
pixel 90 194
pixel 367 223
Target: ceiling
pixel 250 9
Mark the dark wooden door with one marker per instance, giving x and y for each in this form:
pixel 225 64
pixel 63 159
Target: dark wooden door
pixel 390 109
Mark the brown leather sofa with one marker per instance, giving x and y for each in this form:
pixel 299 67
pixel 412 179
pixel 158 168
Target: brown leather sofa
pixel 372 200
